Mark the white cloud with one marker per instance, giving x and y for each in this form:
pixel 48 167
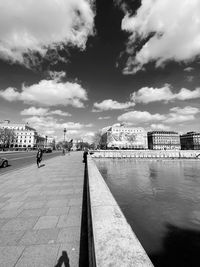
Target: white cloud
pixel 110 104
pixel 32 111
pixel 139 117
pixel 175 26
pixel 185 111
pixel 175 116
pixel 27 26
pixel 44 124
pixel 48 93
pixel 150 94
pixel 104 118
pixel 189 69
pixel 160 127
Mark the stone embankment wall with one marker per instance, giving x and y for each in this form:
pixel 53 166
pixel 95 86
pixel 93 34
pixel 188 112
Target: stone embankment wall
pixel 181 154
pixel 114 242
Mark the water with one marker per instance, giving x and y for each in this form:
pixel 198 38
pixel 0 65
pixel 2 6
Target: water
pixel 161 201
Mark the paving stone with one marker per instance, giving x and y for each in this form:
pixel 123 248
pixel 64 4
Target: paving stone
pixel 9 255
pixel 43 236
pixel 12 205
pixel 46 222
pixel 72 251
pixel 10 238
pixel 57 203
pixel 33 212
pixel 75 202
pixel 12 213
pixel 19 224
pixel 34 204
pixel 38 256
pixel 69 234
pixel 58 211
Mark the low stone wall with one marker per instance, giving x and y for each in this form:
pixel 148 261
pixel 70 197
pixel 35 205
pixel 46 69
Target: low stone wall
pixel 147 154
pixel 115 244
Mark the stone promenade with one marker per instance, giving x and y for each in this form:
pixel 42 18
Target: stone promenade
pixel 40 213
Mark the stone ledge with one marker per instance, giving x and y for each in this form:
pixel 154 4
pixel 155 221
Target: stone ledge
pixel 115 243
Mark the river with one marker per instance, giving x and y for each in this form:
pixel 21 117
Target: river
pixel 161 201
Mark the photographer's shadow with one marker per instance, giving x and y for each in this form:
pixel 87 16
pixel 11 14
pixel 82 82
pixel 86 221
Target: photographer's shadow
pixel 63 259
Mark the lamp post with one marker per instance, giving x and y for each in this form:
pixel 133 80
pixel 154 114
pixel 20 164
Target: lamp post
pixel 46 140
pixel 64 133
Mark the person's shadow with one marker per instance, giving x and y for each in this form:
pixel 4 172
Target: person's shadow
pixel 42 165
pixel 63 259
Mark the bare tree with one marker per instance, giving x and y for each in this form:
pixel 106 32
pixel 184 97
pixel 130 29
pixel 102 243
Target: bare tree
pixel 7 137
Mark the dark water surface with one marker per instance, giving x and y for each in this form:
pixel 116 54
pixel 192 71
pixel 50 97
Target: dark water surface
pixel 161 201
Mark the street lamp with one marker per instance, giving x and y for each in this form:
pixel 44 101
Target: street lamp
pixel 64 133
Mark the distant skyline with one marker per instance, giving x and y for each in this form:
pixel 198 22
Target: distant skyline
pixel 85 64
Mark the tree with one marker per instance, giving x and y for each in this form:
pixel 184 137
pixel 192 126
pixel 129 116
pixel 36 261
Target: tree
pixel 97 139
pixel 7 137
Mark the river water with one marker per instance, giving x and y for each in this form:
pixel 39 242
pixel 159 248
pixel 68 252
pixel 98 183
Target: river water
pixel 161 201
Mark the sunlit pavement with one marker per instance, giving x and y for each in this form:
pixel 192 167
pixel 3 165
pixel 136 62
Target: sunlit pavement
pixel 40 213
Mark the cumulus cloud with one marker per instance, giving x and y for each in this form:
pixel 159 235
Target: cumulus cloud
pixel 110 104
pixel 48 93
pixel 104 118
pixel 175 116
pixel 186 110
pixel 149 94
pixel 189 69
pixel 137 117
pixel 27 27
pixel 43 124
pixel 160 126
pixel 165 27
pixel 32 111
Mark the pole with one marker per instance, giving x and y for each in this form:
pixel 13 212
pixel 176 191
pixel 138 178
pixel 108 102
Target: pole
pixel 64 133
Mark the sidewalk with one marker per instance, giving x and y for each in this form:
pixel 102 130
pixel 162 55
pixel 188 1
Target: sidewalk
pixel 40 213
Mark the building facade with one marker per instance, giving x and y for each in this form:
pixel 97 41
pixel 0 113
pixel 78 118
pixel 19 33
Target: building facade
pixel 121 137
pixel 26 136
pixel 190 140
pixel 164 140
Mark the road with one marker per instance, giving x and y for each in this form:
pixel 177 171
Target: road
pixel 18 160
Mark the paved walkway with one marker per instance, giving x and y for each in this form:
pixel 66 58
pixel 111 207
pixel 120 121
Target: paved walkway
pixel 40 213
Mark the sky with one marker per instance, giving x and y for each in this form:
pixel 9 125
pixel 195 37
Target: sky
pixel 84 65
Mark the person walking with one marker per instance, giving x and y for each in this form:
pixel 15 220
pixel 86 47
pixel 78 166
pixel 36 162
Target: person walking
pixel 39 157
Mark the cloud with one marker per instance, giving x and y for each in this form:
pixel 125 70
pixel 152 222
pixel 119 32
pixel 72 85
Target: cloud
pixel 43 124
pixel 104 118
pixel 149 94
pixel 28 27
pixel 139 117
pixel 185 111
pixel 110 104
pixel 48 93
pixel 166 31
pixel 32 111
pixel 175 116
pixel 189 69
pixel 160 127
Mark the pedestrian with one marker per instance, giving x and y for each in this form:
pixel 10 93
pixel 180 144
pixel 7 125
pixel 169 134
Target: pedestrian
pixel 85 153
pixel 63 151
pixel 39 157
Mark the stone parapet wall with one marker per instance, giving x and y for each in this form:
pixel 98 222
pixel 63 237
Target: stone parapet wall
pixel 115 244
pixel 147 154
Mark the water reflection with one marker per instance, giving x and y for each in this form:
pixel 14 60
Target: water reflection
pixel 160 199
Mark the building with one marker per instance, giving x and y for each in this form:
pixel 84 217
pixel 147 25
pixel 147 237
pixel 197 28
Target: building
pixel 163 140
pixel 122 137
pixel 190 140
pixel 26 136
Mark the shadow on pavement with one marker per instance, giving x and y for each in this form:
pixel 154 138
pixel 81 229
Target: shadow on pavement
pixel 63 259
pixel 42 165
pixel 181 248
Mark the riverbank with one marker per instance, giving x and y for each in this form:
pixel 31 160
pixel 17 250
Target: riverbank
pixel 179 154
